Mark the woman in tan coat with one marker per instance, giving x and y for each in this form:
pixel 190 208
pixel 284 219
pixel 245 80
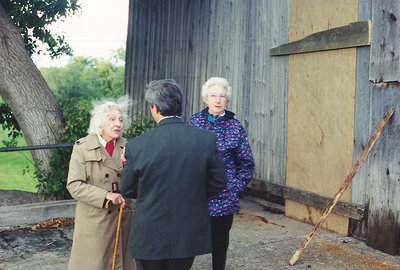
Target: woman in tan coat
pixel 94 170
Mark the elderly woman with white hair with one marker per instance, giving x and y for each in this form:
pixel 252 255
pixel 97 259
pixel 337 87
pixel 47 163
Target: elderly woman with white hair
pixel 233 145
pixel 93 180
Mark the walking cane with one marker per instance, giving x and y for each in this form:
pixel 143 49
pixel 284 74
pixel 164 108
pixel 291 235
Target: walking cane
pixel 116 189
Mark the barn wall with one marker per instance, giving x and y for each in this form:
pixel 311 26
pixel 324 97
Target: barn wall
pixel 320 110
pixel 385 48
pixel 321 122
pixel 191 41
pixel 377 184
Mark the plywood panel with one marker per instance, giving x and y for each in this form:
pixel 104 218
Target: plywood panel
pixel 320 110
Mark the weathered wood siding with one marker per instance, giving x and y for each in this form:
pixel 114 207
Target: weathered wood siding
pixel 385 46
pixel 191 41
pixel 377 184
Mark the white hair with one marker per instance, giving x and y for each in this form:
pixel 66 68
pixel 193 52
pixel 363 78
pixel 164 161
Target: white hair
pixel 216 81
pixel 102 108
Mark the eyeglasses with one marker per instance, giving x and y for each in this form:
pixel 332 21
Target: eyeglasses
pixel 216 97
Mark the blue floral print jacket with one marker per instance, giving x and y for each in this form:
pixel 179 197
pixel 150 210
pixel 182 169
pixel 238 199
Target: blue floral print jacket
pixel 234 148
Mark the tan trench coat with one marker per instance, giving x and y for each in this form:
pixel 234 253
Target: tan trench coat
pixel 91 174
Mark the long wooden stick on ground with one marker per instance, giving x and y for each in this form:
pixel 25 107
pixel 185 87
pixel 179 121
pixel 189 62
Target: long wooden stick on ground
pixel 344 186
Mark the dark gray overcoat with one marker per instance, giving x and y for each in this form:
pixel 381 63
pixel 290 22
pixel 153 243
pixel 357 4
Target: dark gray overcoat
pixel 172 170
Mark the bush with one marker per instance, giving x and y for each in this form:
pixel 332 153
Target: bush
pixel 8 121
pixel 138 127
pixel 52 185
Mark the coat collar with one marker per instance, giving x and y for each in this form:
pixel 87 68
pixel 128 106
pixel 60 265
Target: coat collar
pixel 172 120
pixel 120 143
pixel 113 162
pixel 228 114
pixel 93 142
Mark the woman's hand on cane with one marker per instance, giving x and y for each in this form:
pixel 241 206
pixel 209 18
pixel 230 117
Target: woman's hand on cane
pixel 115 198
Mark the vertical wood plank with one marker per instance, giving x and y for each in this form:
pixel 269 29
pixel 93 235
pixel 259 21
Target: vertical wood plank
pixel 385 41
pixel 232 39
pixel 362 124
pixel 191 41
pixel 377 183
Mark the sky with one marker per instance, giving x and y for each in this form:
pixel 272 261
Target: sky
pixel 100 27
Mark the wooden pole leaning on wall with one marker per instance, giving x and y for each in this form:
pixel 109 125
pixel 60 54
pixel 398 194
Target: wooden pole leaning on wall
pixel 344 186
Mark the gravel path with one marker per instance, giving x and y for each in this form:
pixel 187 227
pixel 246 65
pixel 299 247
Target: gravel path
pixel 260 239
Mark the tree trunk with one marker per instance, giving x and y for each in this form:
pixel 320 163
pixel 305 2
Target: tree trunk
pixel 23 87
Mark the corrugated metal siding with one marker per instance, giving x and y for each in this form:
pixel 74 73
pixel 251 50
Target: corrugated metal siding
pixel 191 41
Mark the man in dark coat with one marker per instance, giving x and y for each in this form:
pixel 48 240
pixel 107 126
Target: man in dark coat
pixel 172 171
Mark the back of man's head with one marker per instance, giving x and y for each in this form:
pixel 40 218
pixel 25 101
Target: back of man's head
pixel 166 95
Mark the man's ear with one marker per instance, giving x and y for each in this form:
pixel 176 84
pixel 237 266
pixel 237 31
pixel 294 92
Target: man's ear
pixel 154 107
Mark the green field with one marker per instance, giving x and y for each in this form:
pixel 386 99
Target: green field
pixel 12 165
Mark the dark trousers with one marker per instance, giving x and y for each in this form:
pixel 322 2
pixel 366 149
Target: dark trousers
pixel 220 227
pixel 168 264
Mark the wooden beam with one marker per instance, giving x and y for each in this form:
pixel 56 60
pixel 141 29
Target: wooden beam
pixel 352 35
pixel 347 209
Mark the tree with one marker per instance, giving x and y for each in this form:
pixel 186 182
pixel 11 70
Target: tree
pixel 76 85
pixel 87 78
pixel 35 107
pixel 78 79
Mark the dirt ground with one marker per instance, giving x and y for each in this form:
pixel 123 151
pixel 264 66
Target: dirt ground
pixel 15 197
pixel 260 239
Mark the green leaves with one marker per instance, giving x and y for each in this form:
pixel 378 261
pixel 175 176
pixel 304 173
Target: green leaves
pixel 87 78
pixel 8 122
pixel 76 114
pixel 139 127
pixel 33 16
pixel 76 123
pixel 75 86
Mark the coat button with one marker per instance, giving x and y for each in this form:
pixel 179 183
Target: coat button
pixel 109 212
pixel 107 175
pixel 118 174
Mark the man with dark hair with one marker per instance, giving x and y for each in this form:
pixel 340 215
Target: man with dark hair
pixel 172 171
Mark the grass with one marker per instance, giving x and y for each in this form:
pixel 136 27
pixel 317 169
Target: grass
pixel 12 165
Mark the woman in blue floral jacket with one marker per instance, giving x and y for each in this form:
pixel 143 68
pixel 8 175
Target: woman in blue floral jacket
pixel 234 148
